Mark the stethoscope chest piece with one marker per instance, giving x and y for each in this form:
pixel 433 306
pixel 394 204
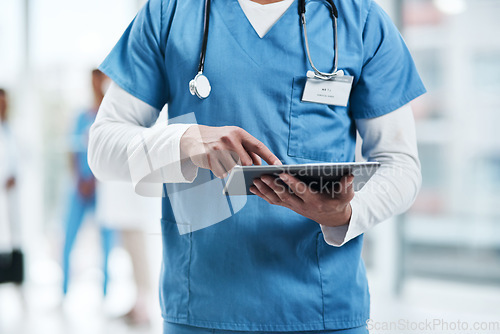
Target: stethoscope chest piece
pixel 200 86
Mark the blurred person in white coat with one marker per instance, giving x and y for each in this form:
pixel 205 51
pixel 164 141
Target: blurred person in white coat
pixel 10 220
pixel 9 211
pixel 120 209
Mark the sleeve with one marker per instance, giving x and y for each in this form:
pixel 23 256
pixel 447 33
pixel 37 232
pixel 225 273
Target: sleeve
pixel 391 140
pixel 388 78
pixel 125 144
pixel 137 62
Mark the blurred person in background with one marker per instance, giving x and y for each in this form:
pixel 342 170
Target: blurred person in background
pixel 11 256
pixel 82 199
pixel 120 209
pixel 8 166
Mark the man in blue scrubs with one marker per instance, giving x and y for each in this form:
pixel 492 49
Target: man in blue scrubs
pixel 280 262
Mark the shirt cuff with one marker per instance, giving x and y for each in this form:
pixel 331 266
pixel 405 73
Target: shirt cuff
pixel 339 235
pixel 168 158
pixel 154 159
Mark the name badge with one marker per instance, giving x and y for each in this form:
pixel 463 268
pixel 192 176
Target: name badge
pixel 334 91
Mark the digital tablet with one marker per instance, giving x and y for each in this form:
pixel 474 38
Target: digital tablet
pixel 319 176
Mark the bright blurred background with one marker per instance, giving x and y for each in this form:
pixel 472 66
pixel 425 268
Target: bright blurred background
pixel 441 260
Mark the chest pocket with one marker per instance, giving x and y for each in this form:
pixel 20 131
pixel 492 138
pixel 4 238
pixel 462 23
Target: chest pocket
pixel 317 131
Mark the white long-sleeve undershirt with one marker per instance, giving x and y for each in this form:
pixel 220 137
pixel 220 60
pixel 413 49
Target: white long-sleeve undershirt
pixel 391 140
pixel 126 144
pixel 263 17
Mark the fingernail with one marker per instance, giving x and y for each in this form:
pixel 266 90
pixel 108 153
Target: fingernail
pixel 283 177
pixel 266 181
pixel 252 191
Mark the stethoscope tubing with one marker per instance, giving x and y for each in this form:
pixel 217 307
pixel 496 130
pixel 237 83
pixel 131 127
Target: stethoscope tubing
pixel 206 25
pixel 302 12
pixel 335 14
pixel 318 73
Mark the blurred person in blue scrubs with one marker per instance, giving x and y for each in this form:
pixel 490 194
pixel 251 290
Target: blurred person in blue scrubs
pixel 82 200
pixel 280 261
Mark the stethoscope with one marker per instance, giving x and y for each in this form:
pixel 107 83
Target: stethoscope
pixel 200 85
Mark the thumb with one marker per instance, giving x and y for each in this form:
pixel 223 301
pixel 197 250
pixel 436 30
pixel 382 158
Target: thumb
pixel 345 191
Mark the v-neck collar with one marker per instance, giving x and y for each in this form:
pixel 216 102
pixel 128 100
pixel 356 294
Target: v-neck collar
pixel 245 35
pixel 270 10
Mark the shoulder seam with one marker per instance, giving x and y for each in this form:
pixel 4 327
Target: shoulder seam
pixel 161 17
pixel 364 26
pixel 161 25
pixel 367 13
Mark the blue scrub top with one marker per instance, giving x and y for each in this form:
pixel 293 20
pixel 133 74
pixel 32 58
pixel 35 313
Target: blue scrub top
pixel 263 267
